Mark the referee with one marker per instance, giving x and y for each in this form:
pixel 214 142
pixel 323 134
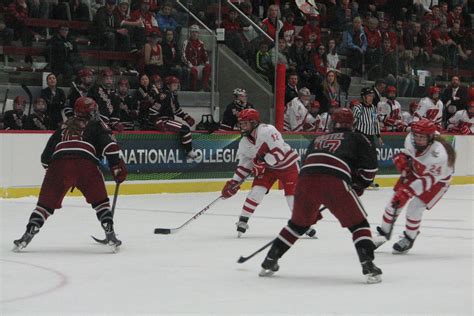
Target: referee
pixel 365 117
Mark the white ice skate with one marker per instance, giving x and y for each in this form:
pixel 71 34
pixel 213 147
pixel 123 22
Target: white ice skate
pixel 191 156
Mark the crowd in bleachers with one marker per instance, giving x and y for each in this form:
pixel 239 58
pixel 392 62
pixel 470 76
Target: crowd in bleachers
pixel 405 44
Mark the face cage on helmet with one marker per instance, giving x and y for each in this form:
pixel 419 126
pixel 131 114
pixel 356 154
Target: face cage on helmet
pixel 428 143
pixel 253 125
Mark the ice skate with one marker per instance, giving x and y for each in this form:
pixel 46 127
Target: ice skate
pixel 380 238
pixel 191 156
pixel 111 238
pixel 269 267
pixel 402 246
pixel 242 226
pixel 25 239
pixel 374 186
pixel 372 273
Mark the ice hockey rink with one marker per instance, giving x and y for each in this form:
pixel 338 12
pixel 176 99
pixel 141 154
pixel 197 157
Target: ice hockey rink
pixel 63 271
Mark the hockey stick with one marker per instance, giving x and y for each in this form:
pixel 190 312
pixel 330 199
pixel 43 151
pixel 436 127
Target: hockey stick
pixel 242 259
pixel 167 231
pixel 30 96
pixel 5 101
pixel 114 202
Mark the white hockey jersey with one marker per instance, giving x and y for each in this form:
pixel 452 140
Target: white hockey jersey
pixel 407 118
pixel 389 115
pixel 460 122
pixel 266 143
pixel 296 116
pixel 429 167
pixel 430 110
pixel 325 122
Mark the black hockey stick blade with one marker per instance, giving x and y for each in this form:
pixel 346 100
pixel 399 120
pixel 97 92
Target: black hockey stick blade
pixel 100 241
pixel 242 259
pixel 163 231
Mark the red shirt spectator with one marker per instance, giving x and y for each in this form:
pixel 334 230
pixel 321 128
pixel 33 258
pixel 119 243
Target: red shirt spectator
pixel 272 20
pixel 374 37
pixel 387 33
pixel 456 16
pixel 311 32
pixel 148 18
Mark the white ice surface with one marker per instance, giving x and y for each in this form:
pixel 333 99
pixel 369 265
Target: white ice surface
pixel 63 271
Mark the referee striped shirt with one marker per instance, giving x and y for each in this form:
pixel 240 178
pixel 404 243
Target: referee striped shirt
pixel 365 120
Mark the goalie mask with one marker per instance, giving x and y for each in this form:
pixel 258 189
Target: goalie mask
pixel 240 96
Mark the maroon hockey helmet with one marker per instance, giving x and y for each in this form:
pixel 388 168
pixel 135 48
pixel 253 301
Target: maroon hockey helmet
pixel 85 107
pixel 471 93
pixel 171 79
pixel 85 72
pixel 124 82
pixel 342 118
pixel 19 100
pixel 249 115
pixel 106 72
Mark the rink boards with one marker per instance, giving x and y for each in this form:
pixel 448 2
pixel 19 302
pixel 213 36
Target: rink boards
pixel 156 164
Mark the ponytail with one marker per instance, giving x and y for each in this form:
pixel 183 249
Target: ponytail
pixel 449 149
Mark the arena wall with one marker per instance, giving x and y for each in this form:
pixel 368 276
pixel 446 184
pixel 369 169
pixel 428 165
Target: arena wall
pixel 157 165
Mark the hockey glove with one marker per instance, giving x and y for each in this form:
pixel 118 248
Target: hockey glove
pixel 119 172
pixel 359 189
pixel 189 120
pixel 258 167
pixel 401 162
pixel 401 197
pixel 230 189
pixel 465 130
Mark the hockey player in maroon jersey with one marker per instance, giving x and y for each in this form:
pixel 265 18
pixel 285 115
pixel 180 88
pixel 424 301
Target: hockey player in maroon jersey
pixel 337 169
pixel 263 152
pixel 163 115
pixel 39 119
pixel 16 119
pixel 128 105
pixel 71 159
pixel 426 165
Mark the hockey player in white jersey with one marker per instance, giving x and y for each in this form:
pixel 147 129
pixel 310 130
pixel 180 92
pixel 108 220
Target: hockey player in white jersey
pixel 263 152
pixel 426 165
pixel 463 121
pixel 431 108
pixel 325 122
pixel 388 110
pixel 408 116
pixel 297 116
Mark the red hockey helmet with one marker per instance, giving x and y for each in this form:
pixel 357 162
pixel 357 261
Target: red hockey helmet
pixel 391 89
pixel 315 104
pixel 471 93
pixel 470 108
pixel 423 126
pixel 171 79
pixel 249 115
pixel 85 72
pixel 124 82
pixel 85 107
pixel 434 91
pixel 19 100
pixel 342 118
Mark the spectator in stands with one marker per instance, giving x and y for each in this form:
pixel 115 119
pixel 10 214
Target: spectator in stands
pixel 292 87
pixel 378 90
pixel 15 18
pixel 331 91
pixel 64 56
pixel 454 98
pixel 387 32
pixel 320 62
pixel 311 32
pixel 373 54
pixel 195 57
pixel 111 35
pixel 296 54
pixel 144 15
pixel 263 62
pixel 38 9
pixel 172 59
pixel 153 55
pixel 6 34
pixel 15 119
pixel 166 20
pixel 289 28
pixel 344 16
pixel 79 11
pixel 443 44
pixel 390 72
pixel 233 33
pixel 55 99
pixel 280 57
pixel 414 36
pixel 355 43
pixel 128 105
pixel 135 28
pixel 231 113
pixel 332 56
pixel 39 119
pixel 272 22
pixel 455 16
pixel 434 17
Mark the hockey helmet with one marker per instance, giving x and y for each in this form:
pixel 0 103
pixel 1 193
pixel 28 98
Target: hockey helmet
pixel 470 108
pixel 106 72
pixel 249 115
pixel 433 92
pixel 171 79
pixel 20 100
pixel 423 127
pixel 471 93
pixel 304 92
pixel 342 118
pixel 85 72
pixel 85 108
pixel 124 82
pixel 239 92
